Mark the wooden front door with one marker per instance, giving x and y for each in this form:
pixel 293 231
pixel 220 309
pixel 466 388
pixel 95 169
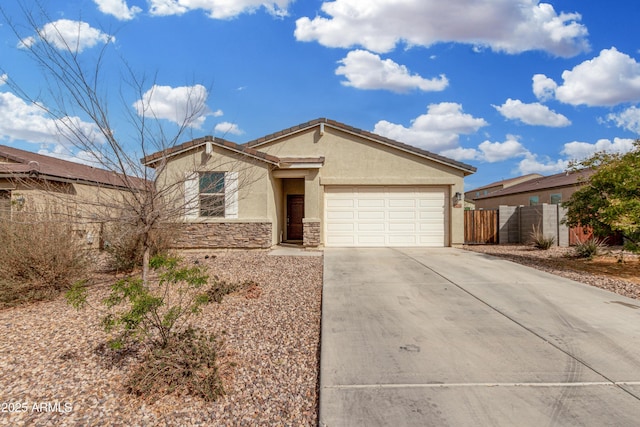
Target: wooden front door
pixel 295 213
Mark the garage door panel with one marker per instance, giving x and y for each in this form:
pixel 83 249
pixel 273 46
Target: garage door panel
pixel 409 227
pixel 371 203
pixel 402 203
pixel 402 215
pixel 341 227
pixel 371 227
pixel 385 216
pixel 341 215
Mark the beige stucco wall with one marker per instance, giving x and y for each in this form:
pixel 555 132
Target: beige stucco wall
pixel 353 160
pixel 256 191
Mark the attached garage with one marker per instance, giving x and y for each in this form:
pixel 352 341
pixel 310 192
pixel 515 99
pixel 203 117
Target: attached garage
pixel 385 216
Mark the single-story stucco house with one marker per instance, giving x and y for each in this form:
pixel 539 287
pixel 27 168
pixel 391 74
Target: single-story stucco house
pixel 76 193
pixel 321 183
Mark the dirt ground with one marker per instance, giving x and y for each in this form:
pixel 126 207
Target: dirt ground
pixel 614 269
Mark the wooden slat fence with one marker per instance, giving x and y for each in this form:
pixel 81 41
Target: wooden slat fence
pixel 481 227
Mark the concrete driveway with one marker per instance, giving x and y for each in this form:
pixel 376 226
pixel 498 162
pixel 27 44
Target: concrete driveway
pixel 449 337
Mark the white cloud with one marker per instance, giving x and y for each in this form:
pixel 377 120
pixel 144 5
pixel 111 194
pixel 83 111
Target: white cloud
pixel 629 119
pixel 581 150
pixel 462 154
pixel 118 8
pixel 544 88
pixel 65 34
pixel 3 79
pixel 609 79
pixel 437 130
pixel 228 128
pixel 174 104
pixel 490 152
pixel 365 70
pixel 499 151
pixel 28 122
pixel 534 114
pixel 218 9
pixel 217 113
pixel 547 166
pixel 510 26
pixel 61 152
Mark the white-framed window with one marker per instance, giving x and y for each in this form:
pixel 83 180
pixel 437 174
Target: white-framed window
pixel 211 194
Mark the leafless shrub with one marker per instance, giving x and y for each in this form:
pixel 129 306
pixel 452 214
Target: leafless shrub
pixel 42 255
pixel 186 365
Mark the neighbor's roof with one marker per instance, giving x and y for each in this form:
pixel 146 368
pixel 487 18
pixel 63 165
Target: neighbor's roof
pixel 468 169
pixel 507 182
pixel 250 150
pixel 26 164
pixel 564 179
pixel 152 159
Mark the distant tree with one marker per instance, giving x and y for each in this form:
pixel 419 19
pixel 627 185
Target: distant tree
pixel 610 200
pixel 77 93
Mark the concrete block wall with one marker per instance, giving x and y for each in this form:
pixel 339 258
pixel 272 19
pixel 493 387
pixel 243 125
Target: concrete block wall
pixel 508 224
pixel 516 223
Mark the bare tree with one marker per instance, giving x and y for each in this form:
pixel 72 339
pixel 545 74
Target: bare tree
pixel 77 92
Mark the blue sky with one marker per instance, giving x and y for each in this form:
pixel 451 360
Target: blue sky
pixel 509 86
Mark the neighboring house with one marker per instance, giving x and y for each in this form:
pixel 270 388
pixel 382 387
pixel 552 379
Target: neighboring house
pixel 318 183
pixel 553 189
pixel 31 182
pixel 472 195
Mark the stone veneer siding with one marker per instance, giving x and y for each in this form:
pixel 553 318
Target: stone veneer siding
pixel 224 235
pixel 311 233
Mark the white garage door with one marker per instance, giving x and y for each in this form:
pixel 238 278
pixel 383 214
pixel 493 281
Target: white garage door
pixel 385 216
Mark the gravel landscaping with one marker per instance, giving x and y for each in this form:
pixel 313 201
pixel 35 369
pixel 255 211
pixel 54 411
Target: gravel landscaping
pixel 54 373
pixel 560 261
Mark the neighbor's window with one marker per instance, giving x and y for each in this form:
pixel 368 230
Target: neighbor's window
pixel 212 201
pixel 556 199
pixel 533 200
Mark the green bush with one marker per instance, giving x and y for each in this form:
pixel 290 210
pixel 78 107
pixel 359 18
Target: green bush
pixel 41 255
pixel 589 248
pixel 540 241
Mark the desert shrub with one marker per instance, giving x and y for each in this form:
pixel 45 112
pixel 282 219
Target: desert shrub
pixel 122 241
pixel 539 240
pixel 589 248
pixel 150 312
pixel 41 256
pixel 155 316
pixel 187 364
pixel 220 288
pixel 631 246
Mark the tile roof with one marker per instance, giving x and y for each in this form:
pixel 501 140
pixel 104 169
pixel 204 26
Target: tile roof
pixel 248 148
pixel 152 159
pixel 25 163
pixel 507 182
pixel 564 179
pixel 366 134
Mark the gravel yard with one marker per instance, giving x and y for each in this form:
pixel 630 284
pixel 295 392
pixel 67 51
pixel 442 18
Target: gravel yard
pixel 603 272
pixel 48 355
